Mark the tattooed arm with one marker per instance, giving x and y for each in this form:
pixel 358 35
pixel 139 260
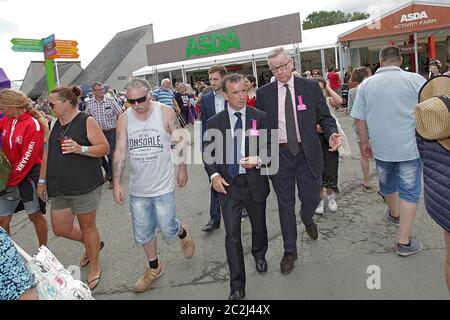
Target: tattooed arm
pixel 120 155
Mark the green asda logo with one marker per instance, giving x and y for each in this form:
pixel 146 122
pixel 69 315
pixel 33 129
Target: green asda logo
pixel 214 42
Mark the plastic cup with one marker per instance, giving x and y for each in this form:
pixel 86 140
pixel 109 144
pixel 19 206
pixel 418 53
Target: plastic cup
pixel 62 140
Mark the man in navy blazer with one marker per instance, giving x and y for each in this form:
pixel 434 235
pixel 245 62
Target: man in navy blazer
pixel 294 107
pixel 212 103
pixel 234 155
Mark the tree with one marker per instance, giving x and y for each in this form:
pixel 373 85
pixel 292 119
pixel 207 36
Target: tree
pixel 328 18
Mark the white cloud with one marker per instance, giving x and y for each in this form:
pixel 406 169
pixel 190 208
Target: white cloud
pixel 7 26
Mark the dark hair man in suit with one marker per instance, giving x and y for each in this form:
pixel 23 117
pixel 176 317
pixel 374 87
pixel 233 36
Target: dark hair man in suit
pixel 212 103
pixel 295 106
pixel 233 161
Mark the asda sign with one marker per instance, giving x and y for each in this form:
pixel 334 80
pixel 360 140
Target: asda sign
pixel 266 33
pixel 212 43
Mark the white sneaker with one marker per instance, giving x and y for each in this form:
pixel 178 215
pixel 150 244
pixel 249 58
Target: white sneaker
pixel 332 205
pixel 321 207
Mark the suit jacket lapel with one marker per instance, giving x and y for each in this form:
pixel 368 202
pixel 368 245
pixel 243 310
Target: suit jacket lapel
pixel 249 116
pixel 299 89
pixel 212 105
pixel 226 131
pixel 273 103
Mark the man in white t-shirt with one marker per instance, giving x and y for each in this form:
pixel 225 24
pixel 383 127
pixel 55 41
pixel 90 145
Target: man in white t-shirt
pixel 144 133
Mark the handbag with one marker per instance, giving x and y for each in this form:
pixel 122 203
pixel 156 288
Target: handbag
pixel 53 281
pixel 5 171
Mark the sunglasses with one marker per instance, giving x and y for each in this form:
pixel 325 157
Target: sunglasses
pixel 138 100
pixel 52 105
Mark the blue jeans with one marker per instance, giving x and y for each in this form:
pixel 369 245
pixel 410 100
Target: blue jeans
pixel 402 177
pixel 147 213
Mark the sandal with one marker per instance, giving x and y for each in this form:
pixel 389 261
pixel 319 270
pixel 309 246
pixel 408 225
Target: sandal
pixel 94 281
pixel 84 261
pixel 365 187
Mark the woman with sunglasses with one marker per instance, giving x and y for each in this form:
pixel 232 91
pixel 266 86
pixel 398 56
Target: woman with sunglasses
pixel 23 130
pixel 71 175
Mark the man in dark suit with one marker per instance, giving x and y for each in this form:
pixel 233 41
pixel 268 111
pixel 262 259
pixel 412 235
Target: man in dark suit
pixel 212 103
pixel 233 162
pixel 295 106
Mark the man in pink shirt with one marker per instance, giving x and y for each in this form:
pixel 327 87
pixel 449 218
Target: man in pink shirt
pixel 294 107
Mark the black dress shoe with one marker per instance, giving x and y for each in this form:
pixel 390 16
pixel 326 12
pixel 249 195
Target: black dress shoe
pixel 287 262
pixel 211 225
pixel 311 230
pixel 261 265
pixel 237 295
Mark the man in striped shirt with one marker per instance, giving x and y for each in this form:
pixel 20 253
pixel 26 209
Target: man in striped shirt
pixel 166 96
pixel 106 111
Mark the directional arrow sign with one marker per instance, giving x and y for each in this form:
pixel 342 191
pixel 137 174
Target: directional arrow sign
pixel 66 49
pixel 25 42
pixel 49 53
pixel 66 43
pixel 25 48
pixel 65 56
pixel 49 46
pixel 48 40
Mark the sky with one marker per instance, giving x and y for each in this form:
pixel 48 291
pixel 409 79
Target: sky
pixel 94 23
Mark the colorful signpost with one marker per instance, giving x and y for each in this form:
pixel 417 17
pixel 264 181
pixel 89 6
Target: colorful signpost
pixel 65 49
pixel 52 49
pixel 26 45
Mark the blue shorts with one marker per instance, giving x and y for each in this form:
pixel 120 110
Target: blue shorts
pixel 403 177
pixel 8 206
pixel 147 213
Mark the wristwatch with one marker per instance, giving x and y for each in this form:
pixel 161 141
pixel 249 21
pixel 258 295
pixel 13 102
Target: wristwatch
pixel 258 163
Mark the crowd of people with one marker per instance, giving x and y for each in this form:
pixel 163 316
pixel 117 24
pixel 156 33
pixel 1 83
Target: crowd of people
pixel 57 149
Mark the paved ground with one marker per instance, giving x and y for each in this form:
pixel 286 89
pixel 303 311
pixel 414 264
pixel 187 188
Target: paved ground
pixel 334 267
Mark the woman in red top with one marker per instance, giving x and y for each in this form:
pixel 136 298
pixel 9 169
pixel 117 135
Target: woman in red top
pixel 23 131
pixel 250 81
pixel 334 81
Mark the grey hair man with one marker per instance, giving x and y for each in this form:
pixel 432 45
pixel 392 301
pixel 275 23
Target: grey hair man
pixel 144 133
pixel 300 151
pixel 106 111
pixel 165 95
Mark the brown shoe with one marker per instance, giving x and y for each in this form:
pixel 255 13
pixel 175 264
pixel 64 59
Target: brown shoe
pixel 287 262
pixel 146 280
pixel 187 244
pixel 311 230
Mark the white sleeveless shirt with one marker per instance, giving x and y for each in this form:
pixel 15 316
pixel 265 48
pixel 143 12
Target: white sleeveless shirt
pixel 152 172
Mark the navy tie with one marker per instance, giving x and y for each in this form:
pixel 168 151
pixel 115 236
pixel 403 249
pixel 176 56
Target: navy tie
pixel 233 169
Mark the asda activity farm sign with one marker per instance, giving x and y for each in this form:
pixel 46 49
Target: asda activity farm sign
pixel 212 43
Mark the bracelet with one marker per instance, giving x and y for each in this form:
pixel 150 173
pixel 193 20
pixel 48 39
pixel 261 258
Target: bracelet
pixel 84 150
pixel 42 181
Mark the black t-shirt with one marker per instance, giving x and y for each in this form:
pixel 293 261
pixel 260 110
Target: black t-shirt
pixel 183 100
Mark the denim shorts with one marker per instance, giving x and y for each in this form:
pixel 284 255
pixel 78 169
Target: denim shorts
pixel 403 177
pixel 9 203
pixel 148 213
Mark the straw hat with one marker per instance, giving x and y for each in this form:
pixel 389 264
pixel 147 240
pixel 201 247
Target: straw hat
pixel 433 111
pixel 436 86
